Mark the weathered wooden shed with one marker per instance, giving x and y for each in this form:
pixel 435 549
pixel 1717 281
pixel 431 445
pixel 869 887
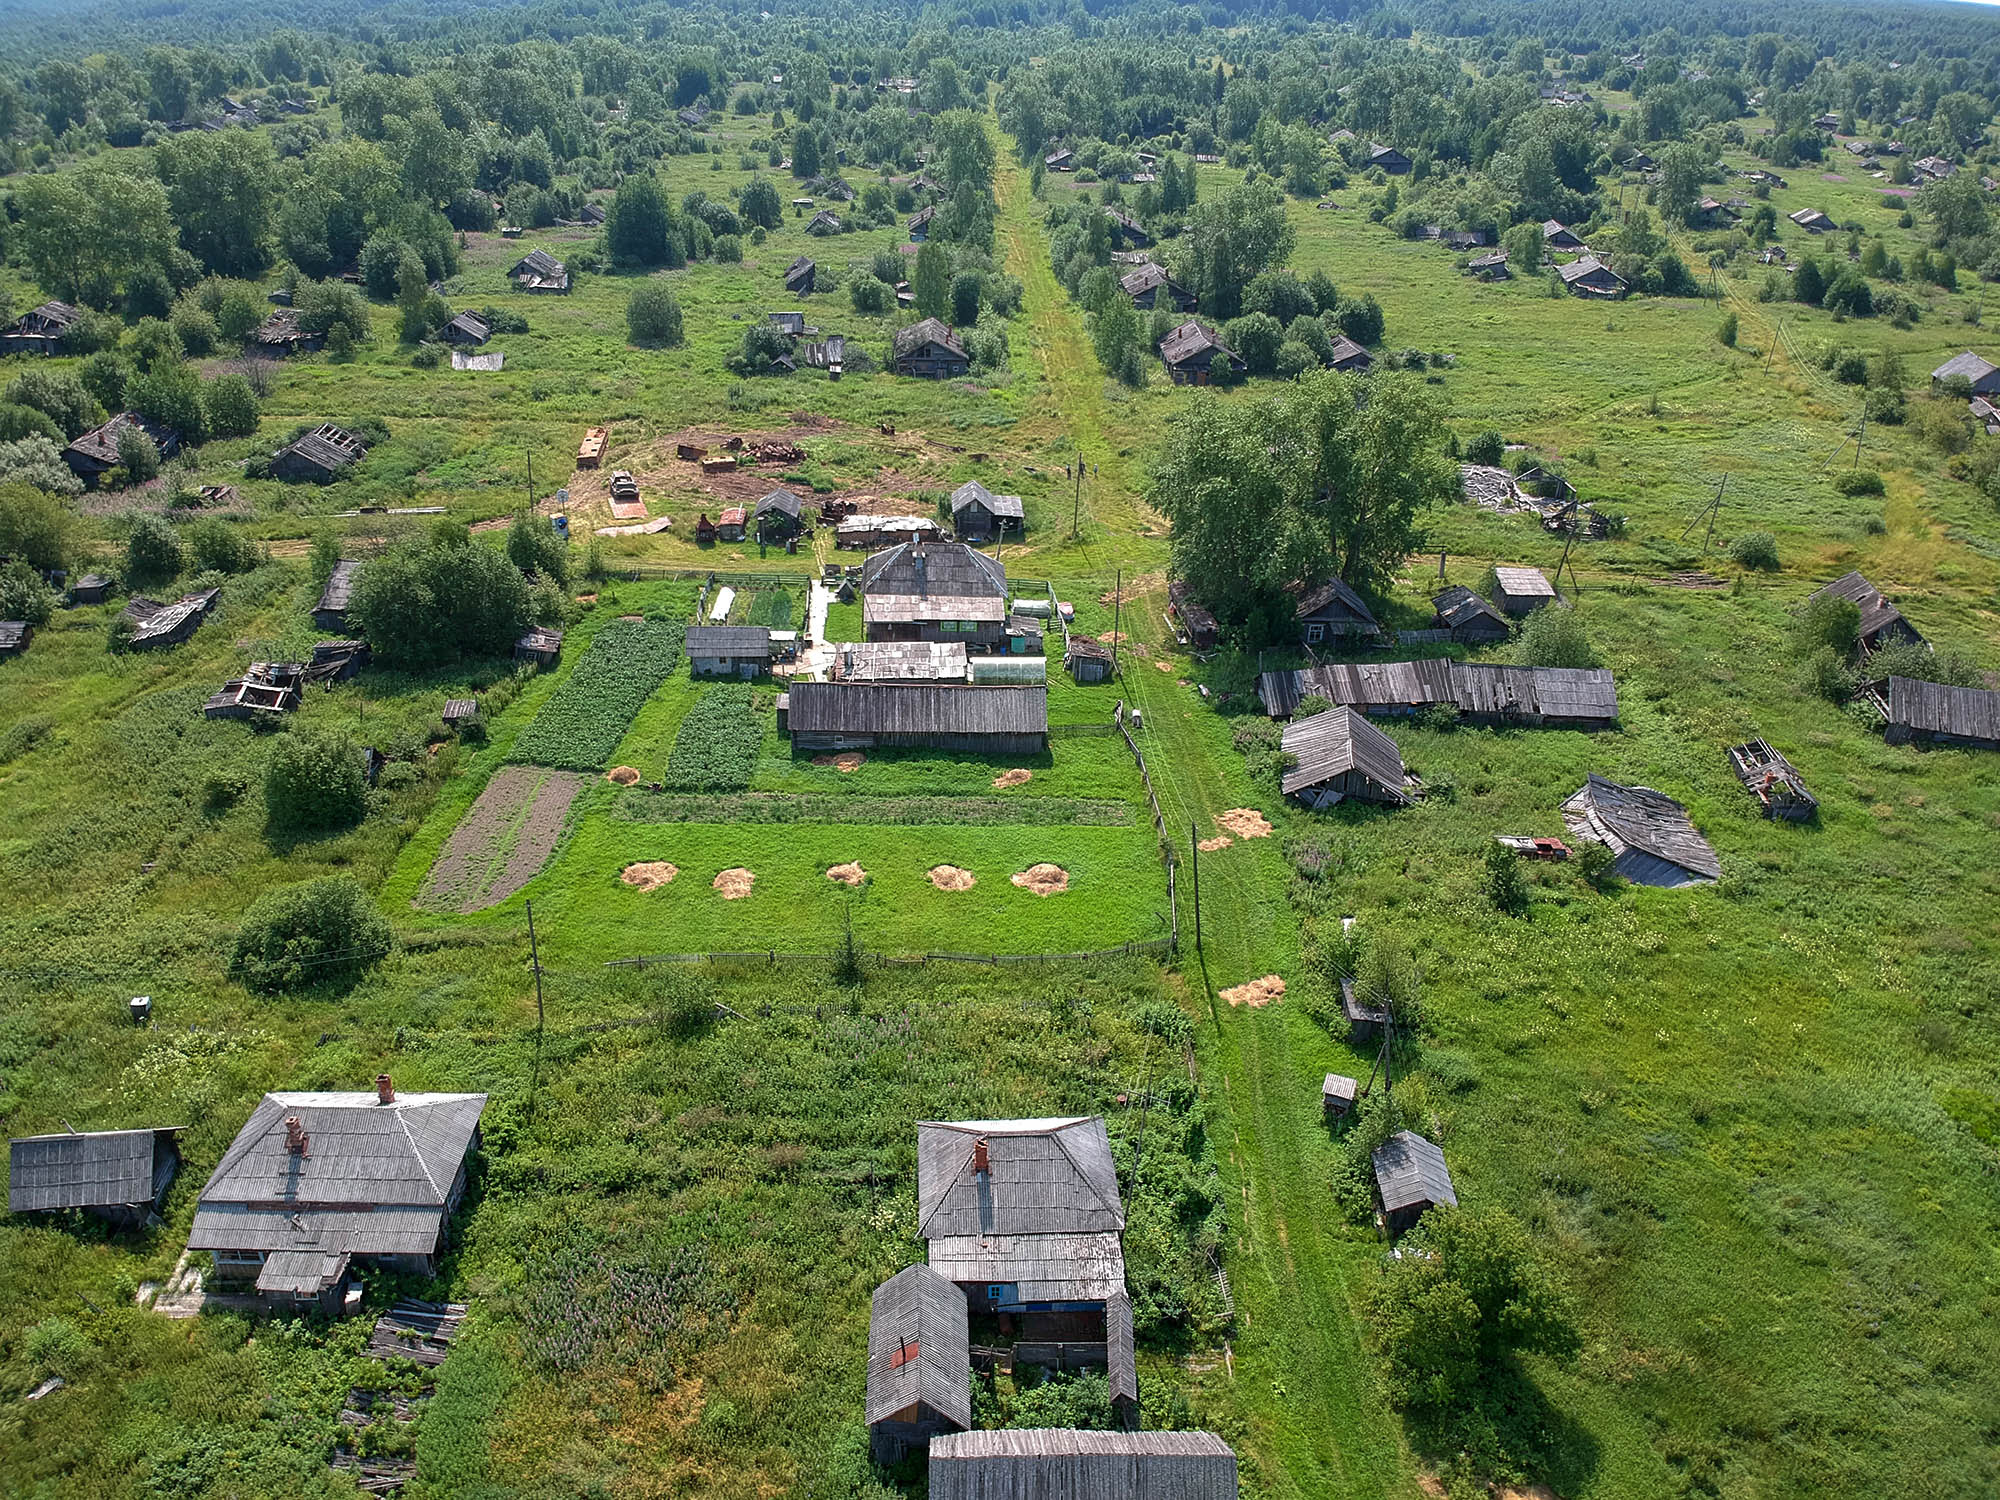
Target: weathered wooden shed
pixel 919 1363
pixel 1088 661
pixel 120 1176
pixel 728 650
pixel 319 456
pixel 336 598
pixel 1040 1463
pixel 266 687
pixel 1149 286
pixel 459 712
pixel 156 625
pixel 1341 756
pixel 862 715
pixel 779 516
pixel 1364 1020
pixel 92 588
pixel 1388 158
pixel 1349 357
pixel 1882 624
pixel 1197 623
pixel 282 334
pixel 977 513
pixel 1469 618
pixel 41 330
pixel 1651 835
pixel 1773 781
pixel 542 647
pixel 468 328
pixel 1332 610
pixel 539 271
pixel 15 636
pixel 1521 591
pixel 1590 277
pixel 1336 1095
pixel 1933 713
pixel 1557 235
pixel 800 275
pixel 1410 1177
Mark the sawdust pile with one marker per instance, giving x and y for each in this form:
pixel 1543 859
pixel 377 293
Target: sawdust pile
pixel 1164 666
pixel 951 878
pixel 622 775
pixel 649 876
pixel 850 873
pixel 846 761
pixel 1220 841
pixel 1015 777
pixel 1043 879
pixel 1245 823
pixel 735 884
pixel 1256 993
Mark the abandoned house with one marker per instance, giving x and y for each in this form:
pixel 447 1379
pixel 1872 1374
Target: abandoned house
pixel 94 454
pixel 1365 1020
pixel 1349 357
pixel 1981 374
pixel 334 600
pixel 1148 284
pixel 1489 267
pixel 459 712
pixel 1126 230
pixel 920 224
pixel 1521 591
pixel 316 1182
pixel 282 333
pixel 1061 1463
pixel 779 516
pixel 1590 277
pixel 1653 840
pixel 1059 160
pixel 92 588
pixel 919 1363
pixel 1197 624
pixel 1194 354
pixel 266 687
pixel 833 716
pixel 1882 624
pixel 929 350
pixel 898 661
pixel 468 328
pixel 977 513
pixel 1933 713
pixel 792 324
pixel 40 330
pixel 1469 618
pixel 1483 693
pixel 1339 756
pixel 799 276
pixel 155 624
pixel 1410 1177
pixel 319 456
pixel 1334 611
pixel 1387 159
pixel 539 271
pixel 119 1176
pixel 1774 781
pixel 540 646
pixel 1559 236
pixel 1812 221
pixel 15 636
pixel 932 591
pixel 728 650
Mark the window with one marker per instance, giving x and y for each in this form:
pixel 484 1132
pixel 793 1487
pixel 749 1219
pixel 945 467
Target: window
pixel 1315 633
pixel 239 1257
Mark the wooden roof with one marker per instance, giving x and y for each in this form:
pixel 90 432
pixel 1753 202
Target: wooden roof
pixel 1069 1464
pixel 972 492
pixel 327 447
pixel 1637 817
pixel 1458 606
pixel 727 640
pixel 934 568
pixel 917 708
pixel 1935 708
pixel 100 444
pixel 1583 694
pixel 86 1169
pixel 1877 613
pixel 1334 600
pixel 780 502
pixel 1335 742
pixel 1972 366
pixel 911 340
pixel 539 263
pixel 919 1348
pixel 1409 1171
pixel 1523 583
pixel 339 590
pixel 1191 339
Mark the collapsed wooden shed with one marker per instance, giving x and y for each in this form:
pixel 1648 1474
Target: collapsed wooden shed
pixel 1651 835
pixel 1933 713
pixel 1773 781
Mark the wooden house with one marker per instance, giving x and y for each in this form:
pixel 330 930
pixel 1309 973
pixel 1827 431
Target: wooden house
pixel 1654 841
pixel 1774 781
pixel 337 661
pixel 1410 1178
pixel 1337 1095
pixel 779 516
pixel 41 330
pixel 1146 285
pixel 1049 1463
pixel 977 513
pixel 1591 277
pixel 928 349
pixel 15 636
pixel 728 650
pixel 1334 611
pixel 1126 230
pixel 1349 357
pixel 1060 160
pixel 1812 221
pixel 282 334
pixel 1980 373
pixel 1932 713
pixel 542 647
pixel 1388 159
pixel 539 272
pixel 1469 618
pixel 1198 626
pixel 920 224
pixel 799 276
pixel 919 1363
pixel 316 1183
pixel 266 687
pixel 1194 354
pixel 155 625
pixel 320 456
pixel 119 1176
pixel 934 591
pixel 1340 756
pixel 1489 267
pixel 93 455
pixel 1882 624
pixel 733 525
pixel 898 661
pixel 1521 591
pixel 590 452
pixel 825 222
pixel 460 712
pixel 591 214
pixel 1557 235
pixel 334 600
pixel 92 588
pixel 694 116
pixel 833 716
pixel 791 324
pixel 468 329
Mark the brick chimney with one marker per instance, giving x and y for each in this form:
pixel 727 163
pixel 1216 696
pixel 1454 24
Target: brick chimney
pixel 981 1165
pixel 296 1139
pixel 385 1091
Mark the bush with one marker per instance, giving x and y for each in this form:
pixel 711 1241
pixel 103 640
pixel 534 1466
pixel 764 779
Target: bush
pixel 310 933
pixel 36 527
pixel 419 606
pixel 1594 862
pixel 230 406
pixel 1830 622
pixel 871 297
pixel 1858 482
pixel 1755 549
pixel 1489 448
pixel 1726 334
pixel 138 456
pixel 313 782
pixel 1824 674
pixel 58 395
pixel 153 552
pixel 105 376
pixel 1554 637
pixel 534 547
pixel 23 595
pixel 1504 886
pixel 56 1346
pixel 654 315
pixel 195 328
pixel 170 394
pixel 17 422
pixel 214 546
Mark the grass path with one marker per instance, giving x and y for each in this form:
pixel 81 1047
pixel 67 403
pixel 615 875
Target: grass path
pixel 1299 1365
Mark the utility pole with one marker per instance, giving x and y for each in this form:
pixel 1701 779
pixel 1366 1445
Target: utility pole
pixel 1117 588
pixel 1861 437
pixel 1776 334
pixel 535 959
pixel 1076 506
pixel 1194 844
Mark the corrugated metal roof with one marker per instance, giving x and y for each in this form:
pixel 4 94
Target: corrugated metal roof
pixel 950 568
pixel 918 1347
pixel 929 609
pixel 1935 708
pixel 727 640
pixel 899 661
pixel 89 1169
pixel 1338 741
pixel 1409 1170
pixel 1637 817
pixel 1066 1464
pixel 917 708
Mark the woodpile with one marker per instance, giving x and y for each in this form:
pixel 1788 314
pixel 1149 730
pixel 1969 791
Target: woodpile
pixel 420 1331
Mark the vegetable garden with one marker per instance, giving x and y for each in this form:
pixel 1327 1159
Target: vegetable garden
pixel 581 725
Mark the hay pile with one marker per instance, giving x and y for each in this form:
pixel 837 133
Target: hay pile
pixel 1043 879
pixel 649 875
pixel 1015 777
pixel 735 884
pixel 951 878
pixel 1245 823
pixel 1256 993
pixel 850 873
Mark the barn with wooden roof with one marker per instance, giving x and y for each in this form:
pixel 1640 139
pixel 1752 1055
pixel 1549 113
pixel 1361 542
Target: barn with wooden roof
pixel 728 650
pixel 1046 1463
pixel 155 624
pixel 1340 756
pixel 1410 1177
pixel 1882 624
pixel 1651 835
pixel 1469 618
pixel 315 1182
pixel 539 271
pixel 334 600
pixel 319 456
pixel 1331 610
pixel 1521 591
pixel 977 513
pixel 120 1176
pixel 919 1363
pixel 831 716
pixel 1933 713
pixel 467 328
pixel 1482 692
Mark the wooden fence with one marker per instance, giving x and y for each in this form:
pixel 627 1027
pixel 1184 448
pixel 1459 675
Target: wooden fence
pixel 772 957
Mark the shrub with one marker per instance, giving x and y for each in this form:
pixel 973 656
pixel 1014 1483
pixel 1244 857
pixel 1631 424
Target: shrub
pixel 1554 637
pixel 1504 886
pixel 1489 448
pixel 310 933
pixel 195 328
pixel 1943 424
pixel 170 394
pixel 105 376
pixel 654 315
pixel 1858 482
pixel 17 422
pixel 23 595
pixel 230 406
pixel 1824 674
pixel 138 457
pixel 214 546
pixel 1831 622
pixel 1921 664
pixel 423 605
pixel 313 782
pixel 534 547
pixel 871 297
pixel 56 1346
pixel 1755 549
pixel 58 395
pixel 1594 863
pixel 36 527
pixel 153 552
pixel 1726 334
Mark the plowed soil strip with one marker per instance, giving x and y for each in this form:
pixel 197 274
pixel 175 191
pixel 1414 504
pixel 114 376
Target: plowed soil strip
pixel 504 838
